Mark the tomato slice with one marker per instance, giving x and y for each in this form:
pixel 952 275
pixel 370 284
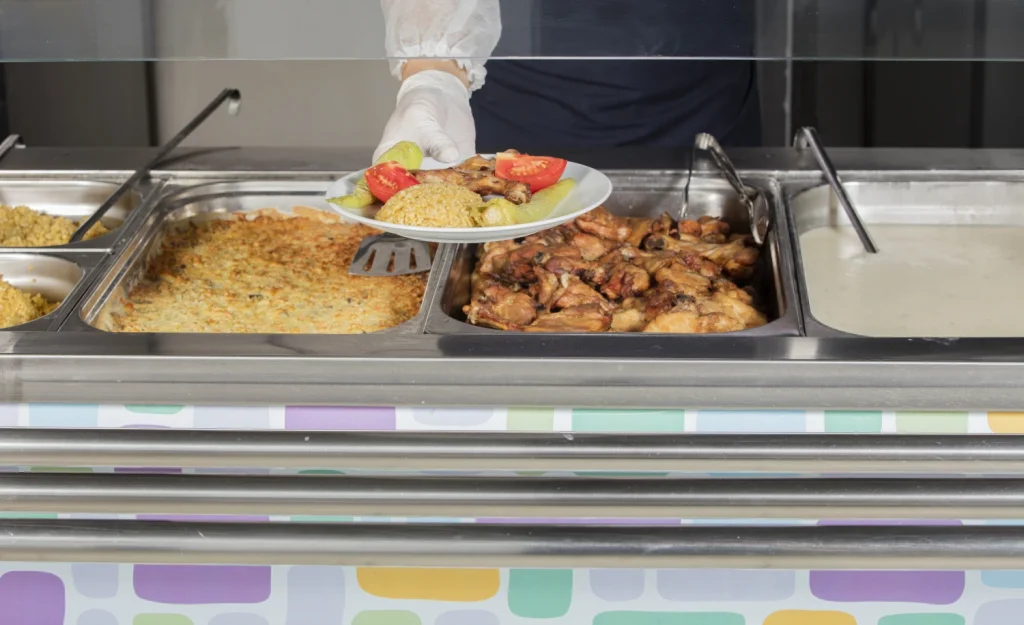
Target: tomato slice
pixel 540 172
pixel 387 179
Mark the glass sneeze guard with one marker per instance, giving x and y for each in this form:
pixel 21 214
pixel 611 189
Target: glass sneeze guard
pixel 133 30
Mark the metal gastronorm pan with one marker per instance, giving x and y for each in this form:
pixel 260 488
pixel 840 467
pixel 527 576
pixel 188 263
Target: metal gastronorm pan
pixel 184 202
pixel 652 195
pixel 897 201
pixel 77 200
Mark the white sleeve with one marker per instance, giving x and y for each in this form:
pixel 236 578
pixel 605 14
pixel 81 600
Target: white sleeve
pixel 464 30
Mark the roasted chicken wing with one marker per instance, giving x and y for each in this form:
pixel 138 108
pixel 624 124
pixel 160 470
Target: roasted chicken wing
pixel 621 274
pixel 481 183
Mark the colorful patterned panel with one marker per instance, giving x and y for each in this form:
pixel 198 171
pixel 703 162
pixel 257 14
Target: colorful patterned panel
pixel 923 619
pixel 1006 612
pixel 1006 422
pixel 189 585
pixel 725 585
pixel 125 594
pixel 540 593
pixel 338 418
pixel 628 420
pixel 845 422
pixel 810 617
pixel 669 618
pixel 430 584
pixel 31 597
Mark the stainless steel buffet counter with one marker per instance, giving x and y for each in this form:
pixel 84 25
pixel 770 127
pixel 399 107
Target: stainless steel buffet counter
pixel 437 360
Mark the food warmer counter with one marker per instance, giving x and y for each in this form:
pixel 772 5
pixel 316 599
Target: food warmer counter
pixel 760 476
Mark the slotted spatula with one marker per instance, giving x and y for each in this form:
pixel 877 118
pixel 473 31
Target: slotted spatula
pixel 390 255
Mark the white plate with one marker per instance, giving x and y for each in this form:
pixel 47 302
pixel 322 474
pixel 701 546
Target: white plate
pixel 591 190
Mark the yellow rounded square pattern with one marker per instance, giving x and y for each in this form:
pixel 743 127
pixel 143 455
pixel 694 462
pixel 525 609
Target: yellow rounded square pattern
pixel 430 584
pixel 1006 422
pixel 810 617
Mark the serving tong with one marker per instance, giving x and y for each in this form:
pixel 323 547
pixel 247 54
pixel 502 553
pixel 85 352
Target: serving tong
pixel 234 99
pixel 807 137
pixel 758 210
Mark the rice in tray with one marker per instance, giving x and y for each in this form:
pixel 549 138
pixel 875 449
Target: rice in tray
pixel 20 226
pixel 432 205
pixel 18 307
pixel 269 274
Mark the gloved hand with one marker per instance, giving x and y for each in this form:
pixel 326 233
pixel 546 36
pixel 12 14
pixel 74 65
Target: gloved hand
pixel 433 112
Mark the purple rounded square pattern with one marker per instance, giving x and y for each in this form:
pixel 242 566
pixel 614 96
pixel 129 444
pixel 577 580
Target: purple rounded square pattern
pixel 200 585
pixel 31 597
pixel 339 418
pixel 926 587
pixel 588 521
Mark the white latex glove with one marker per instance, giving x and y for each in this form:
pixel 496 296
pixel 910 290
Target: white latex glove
pixel 432 112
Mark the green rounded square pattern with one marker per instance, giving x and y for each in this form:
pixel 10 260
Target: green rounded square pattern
pixel 531 419
pixel 848 422
pixel 386 617
pixel 628 420
pixel 539 593
pixel 931 422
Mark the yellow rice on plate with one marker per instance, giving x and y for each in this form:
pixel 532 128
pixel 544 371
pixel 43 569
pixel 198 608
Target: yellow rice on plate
pixel 432 205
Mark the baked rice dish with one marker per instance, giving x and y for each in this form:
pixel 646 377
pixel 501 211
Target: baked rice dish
pixel 266 274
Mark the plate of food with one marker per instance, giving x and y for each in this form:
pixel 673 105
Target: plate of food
pixel 489 197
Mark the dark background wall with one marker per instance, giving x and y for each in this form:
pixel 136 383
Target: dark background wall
pixel 879 104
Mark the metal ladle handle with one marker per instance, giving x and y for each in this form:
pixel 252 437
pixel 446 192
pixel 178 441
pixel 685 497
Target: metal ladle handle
pixel 808 138
pixel 232 96
pixel 8 144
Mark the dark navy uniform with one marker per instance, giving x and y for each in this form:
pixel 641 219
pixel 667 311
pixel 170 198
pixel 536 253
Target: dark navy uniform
pixel 543 104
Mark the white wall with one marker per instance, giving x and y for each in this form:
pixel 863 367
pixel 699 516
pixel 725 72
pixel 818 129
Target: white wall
pixel 284 103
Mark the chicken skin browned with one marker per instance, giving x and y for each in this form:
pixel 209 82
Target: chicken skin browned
pixel 603 273
pixel 481 183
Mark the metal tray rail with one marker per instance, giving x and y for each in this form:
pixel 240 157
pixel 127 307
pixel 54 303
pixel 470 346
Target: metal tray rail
pixel 905 547
pixel 516 499
pixel 651 196
pixel 182 201
pixel 804 455
pixel 908 199
pixel 56 275
pixel 77 198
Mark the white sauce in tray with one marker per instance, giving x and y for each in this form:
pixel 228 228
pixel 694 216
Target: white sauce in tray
pixel 926 281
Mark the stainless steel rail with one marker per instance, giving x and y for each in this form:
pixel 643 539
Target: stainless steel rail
pixel 493 451
pixel 467 497
pixel 468 545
